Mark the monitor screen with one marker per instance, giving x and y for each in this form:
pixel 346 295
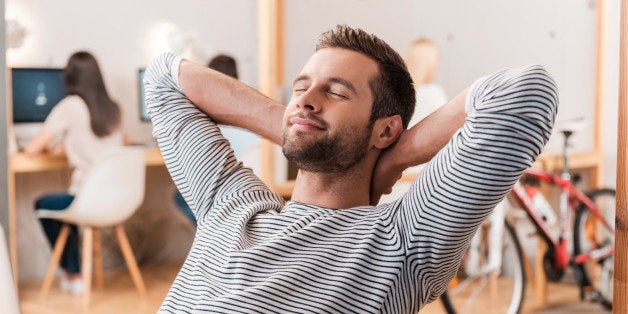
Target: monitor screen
pixel 35 92
pixel 140 83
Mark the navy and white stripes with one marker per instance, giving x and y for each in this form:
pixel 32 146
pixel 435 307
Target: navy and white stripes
pixel 255 253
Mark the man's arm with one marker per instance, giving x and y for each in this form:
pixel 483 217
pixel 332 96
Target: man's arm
pixel 228 101
pixel 418 145
pixel 509 119
pixel 199 159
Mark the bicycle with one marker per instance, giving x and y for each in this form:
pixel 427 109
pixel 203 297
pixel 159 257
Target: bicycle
pixel 492 273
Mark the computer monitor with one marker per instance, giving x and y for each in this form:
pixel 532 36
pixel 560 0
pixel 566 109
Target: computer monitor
pixel 142 96
pixel 35 91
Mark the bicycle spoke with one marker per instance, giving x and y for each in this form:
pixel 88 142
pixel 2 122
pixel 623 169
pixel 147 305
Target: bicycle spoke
pixel 475 293
pixel 593 246
pixel 490 283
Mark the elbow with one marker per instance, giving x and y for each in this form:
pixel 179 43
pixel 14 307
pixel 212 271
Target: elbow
pixel 547 87
pixel 540 92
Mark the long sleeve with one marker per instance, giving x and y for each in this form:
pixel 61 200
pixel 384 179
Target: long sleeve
pixel 253 252
pixel 510 115
pixel 200 160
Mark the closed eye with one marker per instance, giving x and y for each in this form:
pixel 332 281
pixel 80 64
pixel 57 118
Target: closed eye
pixel 338 95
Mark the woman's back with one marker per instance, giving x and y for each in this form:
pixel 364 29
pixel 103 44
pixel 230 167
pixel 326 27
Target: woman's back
pixel 70 119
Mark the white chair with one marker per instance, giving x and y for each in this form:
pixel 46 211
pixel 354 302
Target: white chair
pixel 112 190
pixel 8 293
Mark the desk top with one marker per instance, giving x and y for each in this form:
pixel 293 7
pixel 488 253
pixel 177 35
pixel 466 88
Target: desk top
pixel 23 163
pixel 552 162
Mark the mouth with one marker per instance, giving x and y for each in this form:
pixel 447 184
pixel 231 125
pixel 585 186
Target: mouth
pixel 306 124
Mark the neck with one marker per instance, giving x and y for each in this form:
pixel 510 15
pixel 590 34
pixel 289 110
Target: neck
pixel 342 190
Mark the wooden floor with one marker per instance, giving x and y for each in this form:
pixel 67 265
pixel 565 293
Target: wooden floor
pixel 561 299
pixel 119 296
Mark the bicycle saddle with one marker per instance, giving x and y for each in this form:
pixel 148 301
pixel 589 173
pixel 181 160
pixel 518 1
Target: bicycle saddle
pixel 571 125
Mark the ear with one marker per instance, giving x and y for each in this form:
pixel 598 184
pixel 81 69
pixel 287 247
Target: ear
pixel 386 131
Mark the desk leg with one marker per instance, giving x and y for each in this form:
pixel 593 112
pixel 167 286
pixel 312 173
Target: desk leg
pixel 12 226
pixel 596 176
pixel 540 279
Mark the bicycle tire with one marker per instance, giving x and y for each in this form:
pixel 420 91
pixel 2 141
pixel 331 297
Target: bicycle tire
pixel 511 282
pixel 447 304
pixel 596 276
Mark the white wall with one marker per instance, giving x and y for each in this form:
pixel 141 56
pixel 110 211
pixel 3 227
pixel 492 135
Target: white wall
pixel 126 35
pixel 478 37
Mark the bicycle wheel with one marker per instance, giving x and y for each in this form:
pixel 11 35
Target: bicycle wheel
pixel 590 234
pixel 484 288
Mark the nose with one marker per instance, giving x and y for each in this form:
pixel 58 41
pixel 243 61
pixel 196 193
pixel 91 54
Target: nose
pixel 308 102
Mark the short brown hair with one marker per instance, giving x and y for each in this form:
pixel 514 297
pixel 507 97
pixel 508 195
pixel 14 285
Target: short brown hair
pixel 393 91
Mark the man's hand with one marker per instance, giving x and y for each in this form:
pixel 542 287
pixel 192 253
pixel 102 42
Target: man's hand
pixel 386 173
pixel 231 102
pixel 417 145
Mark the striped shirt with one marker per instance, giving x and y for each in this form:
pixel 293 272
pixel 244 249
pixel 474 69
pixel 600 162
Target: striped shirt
pixel 256 253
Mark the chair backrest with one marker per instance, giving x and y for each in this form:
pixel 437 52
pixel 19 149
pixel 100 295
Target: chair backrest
pixel 8 295
pixel 112 189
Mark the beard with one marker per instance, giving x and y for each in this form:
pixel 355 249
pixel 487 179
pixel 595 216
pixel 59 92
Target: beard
pixel 332 153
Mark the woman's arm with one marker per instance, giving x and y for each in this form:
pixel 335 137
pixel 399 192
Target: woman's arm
pixel 39 143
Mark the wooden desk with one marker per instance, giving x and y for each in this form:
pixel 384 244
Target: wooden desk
pixel 592 161
pixel 22 163
pixel 554 163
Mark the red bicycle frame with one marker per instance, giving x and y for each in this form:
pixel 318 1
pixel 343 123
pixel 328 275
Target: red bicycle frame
pixel 571 197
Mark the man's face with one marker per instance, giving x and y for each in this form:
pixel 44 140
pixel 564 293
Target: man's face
pixel 325 126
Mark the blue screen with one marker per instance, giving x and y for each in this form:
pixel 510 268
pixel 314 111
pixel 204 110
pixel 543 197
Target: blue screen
pixel 143 114
pixel 35 93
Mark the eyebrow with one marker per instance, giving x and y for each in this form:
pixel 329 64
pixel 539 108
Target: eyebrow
pixel 335 80
pixel 300 78
pixel 344 83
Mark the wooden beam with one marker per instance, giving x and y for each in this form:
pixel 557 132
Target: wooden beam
pixel 620 289
pixel 600 93
pixel 600 77
pixel 270 25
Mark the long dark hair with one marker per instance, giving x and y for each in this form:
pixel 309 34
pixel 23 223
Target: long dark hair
pixel 82 77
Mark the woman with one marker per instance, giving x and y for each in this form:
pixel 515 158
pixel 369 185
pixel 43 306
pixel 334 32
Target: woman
pixel 422 57
pixel 87 121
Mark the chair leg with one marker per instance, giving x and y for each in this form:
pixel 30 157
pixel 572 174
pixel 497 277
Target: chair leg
pixel 88 241
pixel 54 261
pixel 129 258
pixel 98 259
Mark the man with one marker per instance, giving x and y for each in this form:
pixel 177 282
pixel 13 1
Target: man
pixel 327 250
